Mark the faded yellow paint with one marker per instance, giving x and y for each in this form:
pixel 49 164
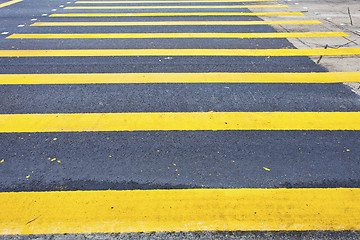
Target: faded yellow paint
pixel 180 52
pixel 180 35
pixel 175 7
pixel 180 210
pixel 178 121
pixel 165 23
pixel 5 4
pixel 98 78
pixel 176 14
pixel 171 1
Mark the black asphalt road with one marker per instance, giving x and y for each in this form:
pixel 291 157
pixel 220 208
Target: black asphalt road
pixel 145 160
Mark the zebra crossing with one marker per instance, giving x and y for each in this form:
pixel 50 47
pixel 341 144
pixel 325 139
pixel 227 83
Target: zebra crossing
pixel 161 116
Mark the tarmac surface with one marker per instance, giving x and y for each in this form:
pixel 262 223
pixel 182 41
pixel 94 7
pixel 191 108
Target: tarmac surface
pixel 148 160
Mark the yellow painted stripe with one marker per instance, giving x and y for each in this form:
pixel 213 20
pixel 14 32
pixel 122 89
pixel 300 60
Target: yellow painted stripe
pixel 180 1
pixel 172 7
pixel 176 14
pixel 175 23
pixel 178 121
pixel 5 4
pixel 100 78
pixel 180 52
pixel 180 210
pixel 181 35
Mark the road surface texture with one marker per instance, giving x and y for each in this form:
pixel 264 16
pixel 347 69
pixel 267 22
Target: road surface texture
pixel 179 119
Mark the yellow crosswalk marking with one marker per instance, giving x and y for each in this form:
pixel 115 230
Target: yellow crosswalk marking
pixel 171 1
pixel 178 121
pixel 172 23
pixel 99 78
pixel 5 4
pixel 180 52
pixel 173 7
pixel 176 14
pixel 180 210
pixel 181 35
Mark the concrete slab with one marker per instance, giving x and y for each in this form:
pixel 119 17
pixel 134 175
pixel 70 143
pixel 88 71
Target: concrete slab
pixel 336 15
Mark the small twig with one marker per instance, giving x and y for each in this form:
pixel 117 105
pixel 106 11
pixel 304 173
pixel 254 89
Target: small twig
pixel 318 61
pixel 354 41
pixel 33 219
pixel 354 32
pixel 351 23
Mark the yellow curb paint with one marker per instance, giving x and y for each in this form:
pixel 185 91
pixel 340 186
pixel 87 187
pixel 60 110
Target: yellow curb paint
pixel 181 1
pixel 122 78
pixel 180 35
pixel 172 7
pixel 180 52
pixel 176 14
pixel 5 4
pixel 301 209
pixel 175 23
pixel 178 121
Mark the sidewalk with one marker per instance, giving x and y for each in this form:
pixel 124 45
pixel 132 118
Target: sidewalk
pixel 335 16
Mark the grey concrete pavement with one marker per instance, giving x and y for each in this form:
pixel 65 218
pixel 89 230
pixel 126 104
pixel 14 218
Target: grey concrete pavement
pixel 336 15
